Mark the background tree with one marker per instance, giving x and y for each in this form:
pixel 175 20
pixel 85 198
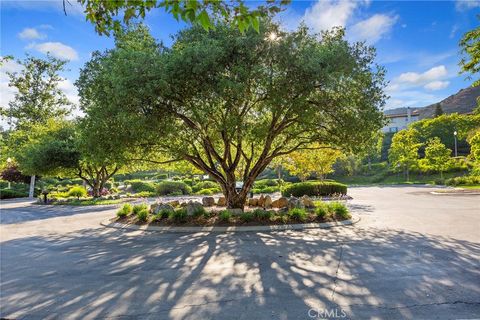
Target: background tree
pixel 317 162
pixel 61 148
pixel 444 126
pixel 38 97
pixel 403 153
pixel 226 101
pixel 470 45
pixel 107 15
pixel 437 155
pixel 438 110
pixel 474 142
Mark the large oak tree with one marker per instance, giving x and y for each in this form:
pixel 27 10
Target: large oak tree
pixel 229 102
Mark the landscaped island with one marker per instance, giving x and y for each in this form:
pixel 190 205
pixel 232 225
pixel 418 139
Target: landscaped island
pixel 262 210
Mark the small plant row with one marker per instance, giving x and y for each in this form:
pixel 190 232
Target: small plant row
pixel 323 212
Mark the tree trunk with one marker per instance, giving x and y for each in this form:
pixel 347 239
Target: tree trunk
pixel 31 191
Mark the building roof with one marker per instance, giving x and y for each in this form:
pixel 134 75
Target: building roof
pixel 400 112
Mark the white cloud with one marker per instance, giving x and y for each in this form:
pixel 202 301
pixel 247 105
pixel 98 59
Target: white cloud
pixel 30 34
pixel 325 15
pixel 411 98
pixel 453 31
pixel 418 78
pixel 436 85
pixel 7 93
pixel 56 49
pixel 373 29
pixel 67 86
pixel 462 5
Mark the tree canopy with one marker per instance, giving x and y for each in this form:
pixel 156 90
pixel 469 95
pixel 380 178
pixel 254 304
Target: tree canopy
pixel 107 15
pixel 230 102
pixel 403 154
pixel 470 45
pixel 38 97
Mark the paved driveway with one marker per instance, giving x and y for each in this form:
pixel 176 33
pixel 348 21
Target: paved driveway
pixel 413 256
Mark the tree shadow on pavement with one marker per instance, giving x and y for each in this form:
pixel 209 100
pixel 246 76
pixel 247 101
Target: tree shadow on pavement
pixel 281 275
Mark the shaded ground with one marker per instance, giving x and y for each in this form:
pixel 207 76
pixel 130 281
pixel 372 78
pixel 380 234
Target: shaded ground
pixel 408 258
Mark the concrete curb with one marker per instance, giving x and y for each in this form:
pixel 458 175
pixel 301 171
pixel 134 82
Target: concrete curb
pixel 281 227
pixel 473 193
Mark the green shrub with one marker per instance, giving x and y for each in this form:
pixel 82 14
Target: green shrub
pixel 125 210
pixel 166 188
pixel 225 215
pixel 142 215
pixel 314 188
pixel 179 215
pixel 77 181
pixel 65 182
pixel 340 210
pixel 161 176
pixel 141 186
pixel 144 194
pixel 188 181
pixel 323 210
pixel 265 183
pixel 261 214
pixel 205 185
pixel 246 216
pixel 10 194
pixel 207 214
pixel 199 211
pixel 139 207
pixel 3 184
pixel 208 192
pixel 78 192
pixel 465 180
pixel 298 214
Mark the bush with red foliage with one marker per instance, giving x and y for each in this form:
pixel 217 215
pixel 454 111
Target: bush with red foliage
pixel 12 174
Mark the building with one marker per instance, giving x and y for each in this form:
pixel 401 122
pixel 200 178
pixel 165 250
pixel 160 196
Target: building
pixel 400 118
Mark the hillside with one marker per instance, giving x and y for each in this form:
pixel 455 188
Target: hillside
pixel 464 101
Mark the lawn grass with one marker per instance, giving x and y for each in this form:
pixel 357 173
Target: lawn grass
pixel 89 202
pixel 470 186
pixel 393 179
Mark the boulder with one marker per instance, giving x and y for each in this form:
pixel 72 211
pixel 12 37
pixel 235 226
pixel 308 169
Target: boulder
pixel 208 201
pixel 280 203
pixel 261 201
pixel 253 202
pixel 192 207
pixel 267 203
pixel 157 207
pixel 295 203
pixel 307 202
pixel 222 202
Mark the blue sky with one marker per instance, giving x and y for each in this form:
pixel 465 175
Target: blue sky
pixel 417 42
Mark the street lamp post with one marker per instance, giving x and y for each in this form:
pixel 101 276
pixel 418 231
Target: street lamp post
pixel 455 139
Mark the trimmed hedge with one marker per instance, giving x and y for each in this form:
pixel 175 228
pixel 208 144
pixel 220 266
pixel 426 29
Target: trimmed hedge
pixel 141 186
pixel 465 180
pixel 314 188
pixel 173 188
pixel 10 194
pixel 205 185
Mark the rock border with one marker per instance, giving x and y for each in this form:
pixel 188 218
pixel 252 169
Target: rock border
pixel 279 227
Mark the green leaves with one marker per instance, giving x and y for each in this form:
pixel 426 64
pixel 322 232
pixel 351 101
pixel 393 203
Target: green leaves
pixel 470 45
pixel 229 102
pixel 105 14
